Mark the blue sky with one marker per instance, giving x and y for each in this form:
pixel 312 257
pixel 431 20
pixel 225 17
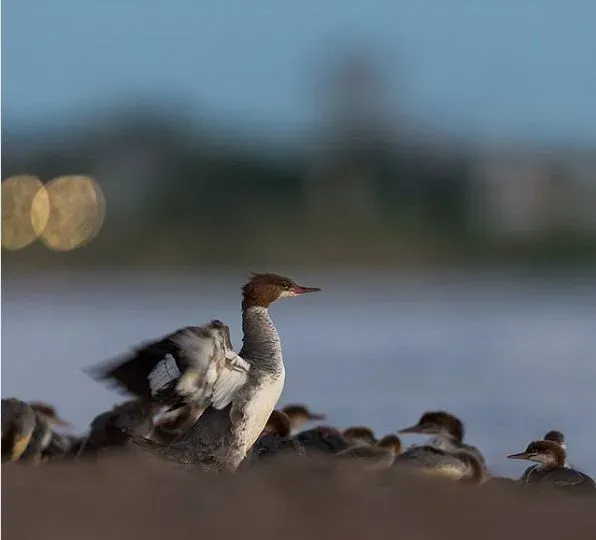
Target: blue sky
pixel 507 68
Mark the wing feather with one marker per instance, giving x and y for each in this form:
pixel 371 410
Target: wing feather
pixel 194 365
pixel 232 377
pixel 217 371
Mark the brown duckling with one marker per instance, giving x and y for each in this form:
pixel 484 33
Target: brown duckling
pixel 447 433
pixel 46 418
pixel 279 424
pixel 18 423
pixel 554 436
pixel 378 456
pixel 357 435
pixel 275 439
pixel 300 415
pixel 322 440
pixel 552 472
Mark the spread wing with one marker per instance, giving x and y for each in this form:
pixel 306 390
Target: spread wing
pixel 215 371
pixel 194 365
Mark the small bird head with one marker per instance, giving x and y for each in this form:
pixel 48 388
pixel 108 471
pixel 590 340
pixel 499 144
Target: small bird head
pixel 48 412
pixel 392 442
pixel 545 452
pixel 300 414
pixel 264 289
pixel 438 423
pixel 359 435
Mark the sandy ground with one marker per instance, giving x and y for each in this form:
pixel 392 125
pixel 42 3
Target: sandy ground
pixel 138 497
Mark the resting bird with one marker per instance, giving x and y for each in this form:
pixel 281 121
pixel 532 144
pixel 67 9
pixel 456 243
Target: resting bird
pixel 44 441
pixel 275 440
pixel 381 455
pixel 299 415
pixel 18 423
pixel 552 472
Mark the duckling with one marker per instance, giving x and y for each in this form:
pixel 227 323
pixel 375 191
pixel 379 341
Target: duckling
pixel 447 431
pixel 299 415
pixel 275 439
pixel 556 437
pixel 378 456
pixel 46 418
pixel 114 429
pixel 322 440
pixel 18 424
pixel 552 472
pixel 358 435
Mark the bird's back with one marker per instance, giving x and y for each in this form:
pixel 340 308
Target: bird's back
pixel 321 440
pixel 430 458
pixel 559 478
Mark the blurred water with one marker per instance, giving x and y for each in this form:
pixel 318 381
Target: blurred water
pixel 513 357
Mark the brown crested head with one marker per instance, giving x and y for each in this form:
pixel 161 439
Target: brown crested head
pixel 545 452
pixel 359 434
pixel 392 442
pixel 264 289
pixel 278 424
pixel 438 423
pixel 49 413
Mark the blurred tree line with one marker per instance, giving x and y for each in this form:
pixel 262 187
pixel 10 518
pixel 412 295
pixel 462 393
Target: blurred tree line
pixel 355 190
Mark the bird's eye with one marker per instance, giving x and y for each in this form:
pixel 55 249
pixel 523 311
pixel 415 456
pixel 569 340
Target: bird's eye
pixel 286 284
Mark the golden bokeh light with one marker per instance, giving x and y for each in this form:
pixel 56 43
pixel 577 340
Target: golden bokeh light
pixel 77 211
pixel 19 195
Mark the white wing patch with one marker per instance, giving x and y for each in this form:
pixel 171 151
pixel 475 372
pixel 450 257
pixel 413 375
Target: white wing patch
pixel 231 378
pixel 165 372
pixel 215 372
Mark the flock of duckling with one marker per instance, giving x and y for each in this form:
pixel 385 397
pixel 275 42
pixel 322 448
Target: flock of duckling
pixel 29 435
pixel 198 402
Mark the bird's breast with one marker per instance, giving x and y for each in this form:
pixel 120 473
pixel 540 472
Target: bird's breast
pixel 260 400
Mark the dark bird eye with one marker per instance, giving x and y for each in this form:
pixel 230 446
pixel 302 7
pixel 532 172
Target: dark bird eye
pixel 286 284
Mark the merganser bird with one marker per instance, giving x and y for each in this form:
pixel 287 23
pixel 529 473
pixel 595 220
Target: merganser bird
pixel 197 365
pixel 300 415
pixel 378 456
pixel 556 437
pixel 359 435
pixel 447 430
pixel 552 471
pixel 18 423
pixel 46 417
